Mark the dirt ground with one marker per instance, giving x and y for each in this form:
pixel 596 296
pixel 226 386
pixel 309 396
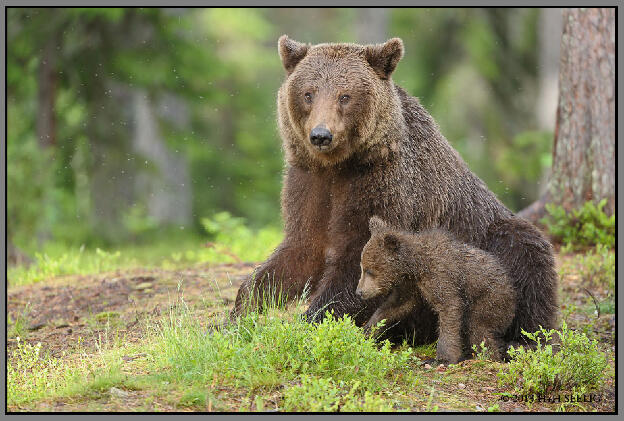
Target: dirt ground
pixel 61 311
pixel 82 311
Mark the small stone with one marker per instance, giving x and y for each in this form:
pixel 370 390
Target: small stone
pixel 427 367
pixel 144 285
pixel 36 326
pixel 461 386
pixel 118 393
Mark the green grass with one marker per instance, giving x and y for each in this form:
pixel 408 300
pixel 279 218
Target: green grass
pixel 266 352
pixel 596 268
pixel 228 242
pixel 274 360
pixel 259 355
pixel 34 375
pixel 279 362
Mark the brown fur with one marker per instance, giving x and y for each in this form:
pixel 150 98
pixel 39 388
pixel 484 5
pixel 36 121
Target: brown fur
pixel 387 158
pixel 466 287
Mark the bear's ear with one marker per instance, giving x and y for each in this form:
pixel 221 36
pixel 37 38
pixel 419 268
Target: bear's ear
pixel 291 52
pixel 384 58
pixel 376 224
pixel 391 242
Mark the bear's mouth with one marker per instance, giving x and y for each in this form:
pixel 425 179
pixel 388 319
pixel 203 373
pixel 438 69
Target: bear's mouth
pixel 324 148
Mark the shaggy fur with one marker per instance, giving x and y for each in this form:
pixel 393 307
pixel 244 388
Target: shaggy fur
pixel 466 287
pixel 388 158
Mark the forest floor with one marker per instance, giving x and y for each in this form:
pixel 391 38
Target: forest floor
pixel 86 323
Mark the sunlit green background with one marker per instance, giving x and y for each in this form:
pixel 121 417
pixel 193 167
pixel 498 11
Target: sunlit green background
pixel 165 117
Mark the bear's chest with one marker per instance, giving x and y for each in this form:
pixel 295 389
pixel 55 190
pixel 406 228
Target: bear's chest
pixel 332 208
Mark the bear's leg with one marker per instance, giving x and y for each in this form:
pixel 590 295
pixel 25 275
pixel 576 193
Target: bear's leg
pixel 419 327
pixel 528 259
pixel 340 300
pixel 491 340
pixel 392 310
pixel 449 347
pixel 277 281
pixel 336 288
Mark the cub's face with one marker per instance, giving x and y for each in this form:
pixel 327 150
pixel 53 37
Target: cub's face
pixel 334 96
pixel 379 269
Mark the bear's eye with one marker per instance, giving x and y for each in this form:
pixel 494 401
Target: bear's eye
pixel 368 272
pixel 344 99
pixel 308 97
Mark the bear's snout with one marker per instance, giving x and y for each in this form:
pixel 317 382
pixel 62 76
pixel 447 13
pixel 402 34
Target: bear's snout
pixel 320 136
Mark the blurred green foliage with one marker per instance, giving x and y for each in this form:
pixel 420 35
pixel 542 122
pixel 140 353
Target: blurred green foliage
pixel 474 69
pixel 230 241
pixel 583 227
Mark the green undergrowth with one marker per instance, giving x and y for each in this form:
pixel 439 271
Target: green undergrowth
pixel 596 270
pixel 333 362
pixel 581 228
pixel 578 366
pixel 277 361
pixel 34 375
pixel 331 365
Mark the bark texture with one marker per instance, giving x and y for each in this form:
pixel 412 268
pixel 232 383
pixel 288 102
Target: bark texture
pixel 584 143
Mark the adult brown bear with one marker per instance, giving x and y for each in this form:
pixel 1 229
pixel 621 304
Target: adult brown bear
pixel 357 145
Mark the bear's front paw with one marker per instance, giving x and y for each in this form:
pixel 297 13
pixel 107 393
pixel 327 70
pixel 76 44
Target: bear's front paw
pixel 312 315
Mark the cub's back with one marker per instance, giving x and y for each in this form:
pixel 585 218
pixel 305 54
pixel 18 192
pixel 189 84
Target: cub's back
pixel 446 258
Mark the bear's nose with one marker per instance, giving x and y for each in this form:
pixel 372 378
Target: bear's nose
pixel 320 136
pixel 358 292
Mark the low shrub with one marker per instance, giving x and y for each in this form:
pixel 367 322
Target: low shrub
pixel 579 364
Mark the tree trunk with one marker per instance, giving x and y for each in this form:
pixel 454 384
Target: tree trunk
pixel 584 142
pixel 371 26
pixel 168 188
pixel 46 94
pixel 548 73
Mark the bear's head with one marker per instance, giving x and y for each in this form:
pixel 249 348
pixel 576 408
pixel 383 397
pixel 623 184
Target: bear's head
pixel 381 261
pixel 337 101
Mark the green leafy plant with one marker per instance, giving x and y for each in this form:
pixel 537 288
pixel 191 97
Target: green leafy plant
pixel 578 364
pixel 582 227
pixel 326 395
pixel 482 353
pixel 265 351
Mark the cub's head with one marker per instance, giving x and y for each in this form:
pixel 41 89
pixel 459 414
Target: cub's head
pixel 338 100
pixel 381 261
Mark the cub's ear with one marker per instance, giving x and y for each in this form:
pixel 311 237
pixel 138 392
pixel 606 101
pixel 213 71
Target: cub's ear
pixel 291 52
pixel 384 58
pixel 376 224
pixel 391 242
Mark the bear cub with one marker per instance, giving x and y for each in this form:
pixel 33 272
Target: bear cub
pixel 466 287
